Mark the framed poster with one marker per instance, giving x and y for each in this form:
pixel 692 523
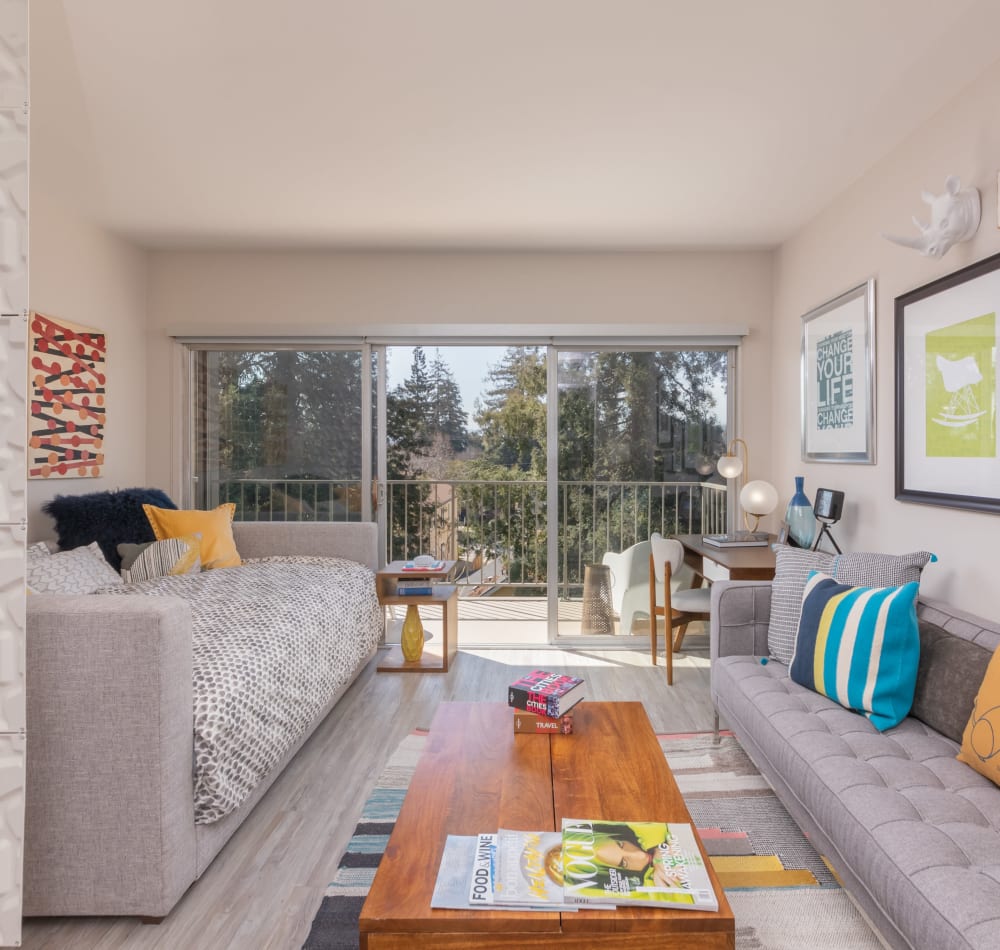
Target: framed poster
pixel 838 379
pixel 68 381
pixel 946 338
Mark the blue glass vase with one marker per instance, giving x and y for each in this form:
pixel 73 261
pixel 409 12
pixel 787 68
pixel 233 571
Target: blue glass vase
pixel 799 517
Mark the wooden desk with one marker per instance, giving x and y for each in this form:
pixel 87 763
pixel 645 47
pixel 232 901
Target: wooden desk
pixel 735 564
pixel 476 774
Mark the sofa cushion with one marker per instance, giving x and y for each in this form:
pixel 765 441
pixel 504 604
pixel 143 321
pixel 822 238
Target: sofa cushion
pixel 79 571
pixel 860 569
pixel 860 646
pixel 948 679
pixel 218 549
pixel 107 517
pixel 981 739
pixel 141 562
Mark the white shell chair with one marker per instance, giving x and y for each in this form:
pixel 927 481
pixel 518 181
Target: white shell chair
pixel 680 607
pixel 629 583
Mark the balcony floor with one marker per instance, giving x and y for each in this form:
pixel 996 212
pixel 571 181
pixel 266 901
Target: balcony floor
pixel 520 622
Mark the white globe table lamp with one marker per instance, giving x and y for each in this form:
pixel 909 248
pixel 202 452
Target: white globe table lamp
pixel 757 498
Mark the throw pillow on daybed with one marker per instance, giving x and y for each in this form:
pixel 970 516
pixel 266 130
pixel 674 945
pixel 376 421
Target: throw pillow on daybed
pixel 861 569
pixel 859 646
pixel 981 740
pixel 108 517
pixel 218 549
pixel 142 562
pixel 78 571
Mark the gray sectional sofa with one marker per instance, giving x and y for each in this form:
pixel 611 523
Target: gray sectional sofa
pixel 110 827
pixel 913 832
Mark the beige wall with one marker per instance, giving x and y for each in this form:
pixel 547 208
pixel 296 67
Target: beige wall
pixel 838 250
pixel 350 293
pixel 81 273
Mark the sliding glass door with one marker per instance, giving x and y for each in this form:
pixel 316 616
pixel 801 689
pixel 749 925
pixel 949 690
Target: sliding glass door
pixel 526 464
pixel 635 434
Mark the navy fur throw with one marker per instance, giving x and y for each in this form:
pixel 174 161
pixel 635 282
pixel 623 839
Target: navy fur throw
pixel 108 517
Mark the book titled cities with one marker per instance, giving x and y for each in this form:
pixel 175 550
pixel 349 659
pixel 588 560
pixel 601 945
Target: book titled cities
pixel 547 694
pixel 628 862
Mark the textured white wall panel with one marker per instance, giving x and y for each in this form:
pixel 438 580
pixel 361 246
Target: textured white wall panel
pixel 13 429
pixel 11 836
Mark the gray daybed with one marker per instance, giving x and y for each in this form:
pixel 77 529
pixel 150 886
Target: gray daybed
pixel 113 710
pixel 913 832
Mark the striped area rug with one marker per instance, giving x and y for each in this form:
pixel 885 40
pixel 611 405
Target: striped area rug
pixel 784 895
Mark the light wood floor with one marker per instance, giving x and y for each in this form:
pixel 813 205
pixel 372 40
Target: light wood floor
pixel 265 886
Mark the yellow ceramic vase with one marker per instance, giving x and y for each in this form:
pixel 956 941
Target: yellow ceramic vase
pixel 412 637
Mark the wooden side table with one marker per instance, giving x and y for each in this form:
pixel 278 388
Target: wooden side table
pixel 442 595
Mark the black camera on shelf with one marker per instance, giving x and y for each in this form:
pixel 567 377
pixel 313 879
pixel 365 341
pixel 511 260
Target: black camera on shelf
pixel 828 508
pixel 829 505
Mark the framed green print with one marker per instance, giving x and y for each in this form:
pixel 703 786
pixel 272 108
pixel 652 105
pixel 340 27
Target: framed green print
pixel 946 390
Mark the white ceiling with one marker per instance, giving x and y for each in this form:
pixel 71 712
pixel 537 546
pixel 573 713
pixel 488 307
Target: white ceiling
pixel 483 123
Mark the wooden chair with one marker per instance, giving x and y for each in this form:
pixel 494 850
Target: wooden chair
pixel 680 607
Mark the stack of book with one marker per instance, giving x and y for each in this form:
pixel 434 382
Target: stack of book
pixel 543 702
pixel 738 539
pixel 589 862
pixel 414 588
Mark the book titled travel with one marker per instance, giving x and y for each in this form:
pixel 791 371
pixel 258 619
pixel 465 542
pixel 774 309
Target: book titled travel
pixel 739 539
pixel 634 862
pixel 547 694
pixel 533 724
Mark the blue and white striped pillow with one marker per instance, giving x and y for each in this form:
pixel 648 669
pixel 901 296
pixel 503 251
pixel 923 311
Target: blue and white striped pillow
pixel 860 646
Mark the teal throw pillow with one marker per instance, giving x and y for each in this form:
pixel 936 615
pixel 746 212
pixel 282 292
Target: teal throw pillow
pixel 860 646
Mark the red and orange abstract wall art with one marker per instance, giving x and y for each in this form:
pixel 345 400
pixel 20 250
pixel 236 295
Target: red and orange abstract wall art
pixel 67 368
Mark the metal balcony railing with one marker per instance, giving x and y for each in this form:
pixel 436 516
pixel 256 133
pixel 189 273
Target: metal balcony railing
pixel 497 528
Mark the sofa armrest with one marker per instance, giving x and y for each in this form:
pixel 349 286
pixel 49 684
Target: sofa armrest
pixel 109 823
pixel 355 540
pixel 741 611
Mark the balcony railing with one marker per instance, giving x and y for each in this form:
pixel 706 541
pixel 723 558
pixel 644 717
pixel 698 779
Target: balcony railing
pixel 497 528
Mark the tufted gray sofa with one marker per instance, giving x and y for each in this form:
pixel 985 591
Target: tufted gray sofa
pixel 913 832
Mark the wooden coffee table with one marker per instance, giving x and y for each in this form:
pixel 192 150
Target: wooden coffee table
pixel 475 775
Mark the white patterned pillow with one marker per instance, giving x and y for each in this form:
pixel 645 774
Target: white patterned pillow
pixel 792 569
pixel 78 571
pixel 37 550
pixel 161 558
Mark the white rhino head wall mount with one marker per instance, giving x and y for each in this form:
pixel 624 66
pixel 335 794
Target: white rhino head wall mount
pixel 955 217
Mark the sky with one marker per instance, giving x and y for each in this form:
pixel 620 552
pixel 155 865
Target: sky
pixel 469 366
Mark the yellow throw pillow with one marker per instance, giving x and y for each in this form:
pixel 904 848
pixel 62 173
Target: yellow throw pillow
pixel 981 740
pixel 218 549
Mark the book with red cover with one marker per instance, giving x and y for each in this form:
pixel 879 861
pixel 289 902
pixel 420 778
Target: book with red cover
pixel 547 694
pixel 533 724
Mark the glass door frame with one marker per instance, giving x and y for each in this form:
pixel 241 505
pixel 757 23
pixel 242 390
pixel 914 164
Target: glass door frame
pixel 553 350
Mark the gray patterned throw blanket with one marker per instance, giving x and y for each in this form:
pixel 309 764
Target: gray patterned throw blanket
pixel 273 642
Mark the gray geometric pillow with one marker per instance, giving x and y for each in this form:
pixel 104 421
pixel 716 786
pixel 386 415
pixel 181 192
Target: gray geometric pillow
pixel 792 567
pixel 864 569
pixel 78 571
